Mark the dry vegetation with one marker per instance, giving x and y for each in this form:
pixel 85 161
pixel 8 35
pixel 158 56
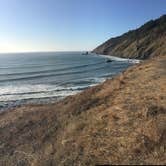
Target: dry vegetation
pixel 122 121
pixel 142 43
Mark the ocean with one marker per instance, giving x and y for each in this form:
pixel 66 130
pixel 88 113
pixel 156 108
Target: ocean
pixel 29 78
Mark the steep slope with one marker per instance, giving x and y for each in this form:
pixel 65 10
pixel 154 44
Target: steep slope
pixel 147 41
pixel 122 121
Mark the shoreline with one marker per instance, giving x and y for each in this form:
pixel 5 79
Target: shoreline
pixel 121 121
pixel 124 116
pixel 135 61
pixel 13 104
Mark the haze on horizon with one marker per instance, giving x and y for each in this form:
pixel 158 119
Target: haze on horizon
pixel 70 25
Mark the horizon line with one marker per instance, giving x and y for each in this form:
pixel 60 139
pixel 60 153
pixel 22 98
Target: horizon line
pixel 42 51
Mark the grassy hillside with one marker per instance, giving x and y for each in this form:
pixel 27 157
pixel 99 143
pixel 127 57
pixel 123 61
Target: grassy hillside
pixel 147 41
pixel 122 121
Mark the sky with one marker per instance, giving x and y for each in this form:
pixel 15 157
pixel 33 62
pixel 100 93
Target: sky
pixel 70 25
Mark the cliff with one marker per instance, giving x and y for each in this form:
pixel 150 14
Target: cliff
pixel 122 121
pixel 142 43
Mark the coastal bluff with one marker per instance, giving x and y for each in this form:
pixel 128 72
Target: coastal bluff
pixel 142 43
pixel 121 121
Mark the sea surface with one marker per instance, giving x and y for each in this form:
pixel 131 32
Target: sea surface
pixel 46 77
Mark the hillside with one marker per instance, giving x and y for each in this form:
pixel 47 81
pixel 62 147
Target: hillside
pixel 142 43
pixel 122 121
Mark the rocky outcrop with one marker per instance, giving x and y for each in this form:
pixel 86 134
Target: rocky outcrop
pixel 147 41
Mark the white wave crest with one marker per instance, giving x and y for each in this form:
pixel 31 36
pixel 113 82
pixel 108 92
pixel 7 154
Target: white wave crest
pixel 121 59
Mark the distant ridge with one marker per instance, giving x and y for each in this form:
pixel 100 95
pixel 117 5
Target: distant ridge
pixel 147 41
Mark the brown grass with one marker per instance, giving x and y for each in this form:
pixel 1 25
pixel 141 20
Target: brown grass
pixel 143 43
pixel 122 121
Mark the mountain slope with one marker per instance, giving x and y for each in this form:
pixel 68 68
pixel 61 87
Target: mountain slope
pixel 147 41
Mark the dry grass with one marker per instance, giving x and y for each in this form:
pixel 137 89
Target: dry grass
pixel 122 121
pixel 142 43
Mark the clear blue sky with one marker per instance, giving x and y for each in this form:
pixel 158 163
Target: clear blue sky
pixel 48 25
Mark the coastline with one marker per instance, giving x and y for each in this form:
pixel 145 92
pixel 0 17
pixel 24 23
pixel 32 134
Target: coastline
pixel 60 92
pixel 124 116
pixel 121 59
pixel 145 42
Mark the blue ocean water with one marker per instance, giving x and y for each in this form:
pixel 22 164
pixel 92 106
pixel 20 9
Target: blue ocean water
pixel 46 77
